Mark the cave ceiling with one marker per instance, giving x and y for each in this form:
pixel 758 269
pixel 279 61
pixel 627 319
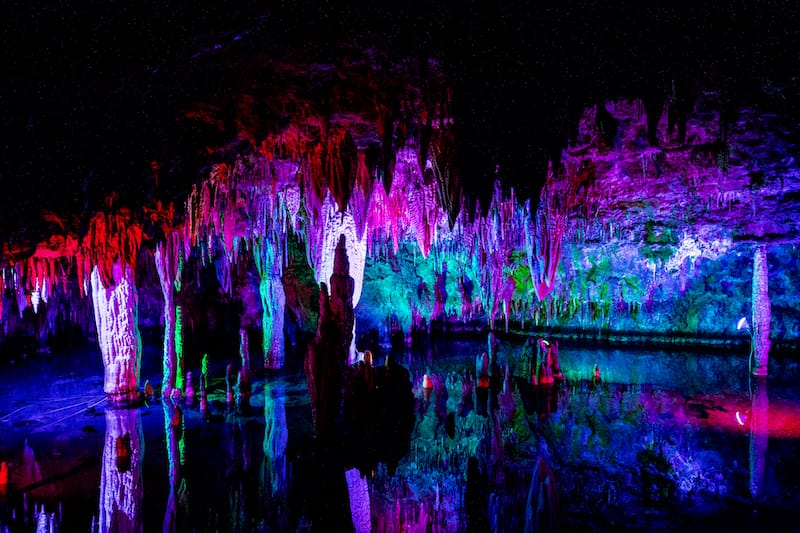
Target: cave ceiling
pixel 135 101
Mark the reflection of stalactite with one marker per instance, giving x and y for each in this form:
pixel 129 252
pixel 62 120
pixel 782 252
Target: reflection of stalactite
pixel 242 473
pixel 121 488
pixel 358 490
pixel 543 510
pixel 276 436
pixel 176 510
pixel 276 433
pixel 762 313
pixel 759 437
pixel 115 310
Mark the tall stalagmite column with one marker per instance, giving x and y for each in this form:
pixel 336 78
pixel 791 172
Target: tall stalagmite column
pixel 338 225
pixel 273 301
pixel 762 312
pixel 169 263
pixel 116 319
pixel 267 258
pixel 328 352
pixel 121 488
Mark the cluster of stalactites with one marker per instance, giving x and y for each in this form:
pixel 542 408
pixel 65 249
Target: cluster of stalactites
pixel 253 203
pixel 330 189
pixel 112 236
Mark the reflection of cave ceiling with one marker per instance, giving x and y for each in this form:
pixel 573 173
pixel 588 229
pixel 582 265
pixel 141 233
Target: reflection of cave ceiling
pixel 142 100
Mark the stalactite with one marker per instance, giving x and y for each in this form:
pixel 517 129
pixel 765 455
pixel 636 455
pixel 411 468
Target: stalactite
pixel 341 165
pixel 116 320
pixel 543 236
pixel 112 237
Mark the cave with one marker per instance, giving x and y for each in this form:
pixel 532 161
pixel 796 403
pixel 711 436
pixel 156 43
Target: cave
pixel 447 267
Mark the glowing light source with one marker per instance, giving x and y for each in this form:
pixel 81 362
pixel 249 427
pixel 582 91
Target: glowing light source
pixel 742 324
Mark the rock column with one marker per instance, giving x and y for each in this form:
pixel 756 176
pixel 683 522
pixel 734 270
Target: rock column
pixel 762 313
pixel 116 320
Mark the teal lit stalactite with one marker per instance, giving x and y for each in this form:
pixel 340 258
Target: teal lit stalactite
pixel 176 512
pixel 180 378
pixel 169 264
pixel 266 255
pixel 762 313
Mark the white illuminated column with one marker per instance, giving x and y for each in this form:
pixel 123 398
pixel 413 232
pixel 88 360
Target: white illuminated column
pixel 337 223
pixel 762 313
pixel 116 320
pixel 121 488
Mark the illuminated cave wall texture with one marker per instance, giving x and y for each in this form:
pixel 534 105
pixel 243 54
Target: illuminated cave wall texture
pixel 628 238
pixel 602 289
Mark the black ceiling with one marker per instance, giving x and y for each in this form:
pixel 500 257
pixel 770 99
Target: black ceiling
pixel 90 93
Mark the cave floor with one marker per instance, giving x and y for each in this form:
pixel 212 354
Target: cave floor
pixel 668 441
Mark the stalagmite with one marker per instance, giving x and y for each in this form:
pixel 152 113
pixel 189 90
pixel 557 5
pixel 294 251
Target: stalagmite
pixel 336 225
pixel 116 320
pixel 266 255
pixel 762 312
pixel 244 349
pixel 327 352
pixel 121 488
pixel 276 304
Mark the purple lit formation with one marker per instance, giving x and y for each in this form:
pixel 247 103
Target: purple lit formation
pixel 339 328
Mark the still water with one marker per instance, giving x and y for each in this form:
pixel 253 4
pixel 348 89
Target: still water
pixel 665 441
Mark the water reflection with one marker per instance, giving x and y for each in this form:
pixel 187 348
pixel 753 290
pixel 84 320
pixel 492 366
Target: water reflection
pixel 759 436
pixel 434 449
pixel 243 438
pixel 274 470
pixel 121 487
pixel 176 514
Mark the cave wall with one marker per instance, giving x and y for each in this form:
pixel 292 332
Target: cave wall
pixel 681 289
